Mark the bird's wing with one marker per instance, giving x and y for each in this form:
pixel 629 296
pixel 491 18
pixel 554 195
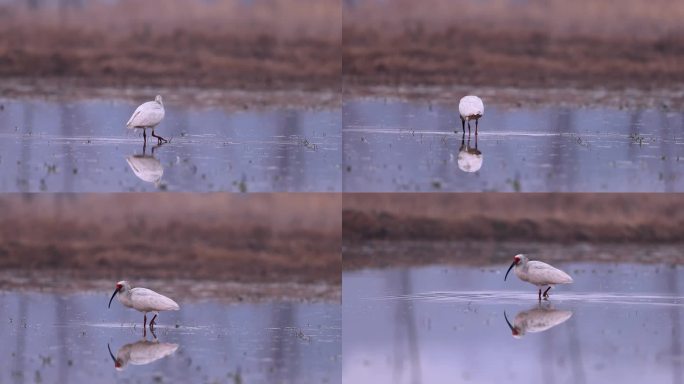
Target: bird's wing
pixel 538 320
pixel 147 115
pixel 149 300
pixel 147 169
pixel 550 274
pixel 145 352
pixel 130 123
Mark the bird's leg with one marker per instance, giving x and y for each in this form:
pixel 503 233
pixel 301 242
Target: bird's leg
pixel 152 322
pixel 476 121
pixel 468 127
pixel 539 294
pixel 145 135
pixel 546 293
pixel 463 125
pixel 145 321
pixel 159 138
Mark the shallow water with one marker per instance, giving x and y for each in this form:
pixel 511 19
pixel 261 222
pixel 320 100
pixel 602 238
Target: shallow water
pixel 616 323
pixel 403 146
pixel 64 339
pixel 85 147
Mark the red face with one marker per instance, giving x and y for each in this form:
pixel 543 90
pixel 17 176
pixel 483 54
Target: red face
pixel 516 259
pixel 119 286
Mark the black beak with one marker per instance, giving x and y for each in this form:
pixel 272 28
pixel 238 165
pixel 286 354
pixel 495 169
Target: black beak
pixel 110 353
pixel 507 322
pixel 113 294
pixel 509 269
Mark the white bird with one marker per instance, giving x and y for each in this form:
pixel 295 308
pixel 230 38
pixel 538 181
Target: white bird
pixel 537 319
pixel 469 158
pixel 148 115
pixel 470 108
pixel 141 353
pixel 538 273
pixel 144 300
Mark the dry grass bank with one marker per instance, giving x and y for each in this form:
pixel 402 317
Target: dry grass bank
pixel 585 44
pixel 552 217
pixel 272 44
pixel 257 238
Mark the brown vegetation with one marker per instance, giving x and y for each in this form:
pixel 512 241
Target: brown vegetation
pixel 383 230
pixel 555 217
pixel 258 238
pixel 586 44
pixel 227 43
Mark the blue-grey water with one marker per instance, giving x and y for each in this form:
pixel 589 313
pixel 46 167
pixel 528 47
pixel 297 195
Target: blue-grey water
pixel 392 146
pixel 57 338
pixel 616 323
pixel 48 146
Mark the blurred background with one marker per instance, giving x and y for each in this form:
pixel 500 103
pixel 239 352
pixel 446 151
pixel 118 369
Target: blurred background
pixel 258 44
pixel 446 228
pixel 62 241
pixel 513 43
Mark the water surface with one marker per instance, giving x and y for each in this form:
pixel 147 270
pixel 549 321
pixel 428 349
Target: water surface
pixel 85 147
pixel 53 338
pixel 616 323
pixel 403 146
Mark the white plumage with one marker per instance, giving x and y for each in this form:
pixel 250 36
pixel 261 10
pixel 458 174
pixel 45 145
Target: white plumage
pixel 537 319
pixel 146 168
pixel 538 273
pixel 141 353
pixel 469 158
pixel 470 108
pixel 148 115
pixel 143 300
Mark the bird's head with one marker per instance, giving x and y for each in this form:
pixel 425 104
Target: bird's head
pixel 158 99
pixel 517 260
pixel 121 286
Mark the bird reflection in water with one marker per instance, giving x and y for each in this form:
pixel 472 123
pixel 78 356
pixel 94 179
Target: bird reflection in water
pixel 142 352
pixel 147 167
pixel 469 158
pixel 539 318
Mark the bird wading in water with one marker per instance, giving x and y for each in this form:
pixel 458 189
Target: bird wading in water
pixel 538 273
pixel 143 300
pixel 148 115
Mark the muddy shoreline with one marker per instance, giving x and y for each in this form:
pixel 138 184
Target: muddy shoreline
pixel 228 99
pixel 379 254
pixel 72 281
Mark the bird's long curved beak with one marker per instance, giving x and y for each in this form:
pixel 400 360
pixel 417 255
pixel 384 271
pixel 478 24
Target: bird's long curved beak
pixel 509 269
pixel 110 353
pixel 113 294
pixel 507 322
